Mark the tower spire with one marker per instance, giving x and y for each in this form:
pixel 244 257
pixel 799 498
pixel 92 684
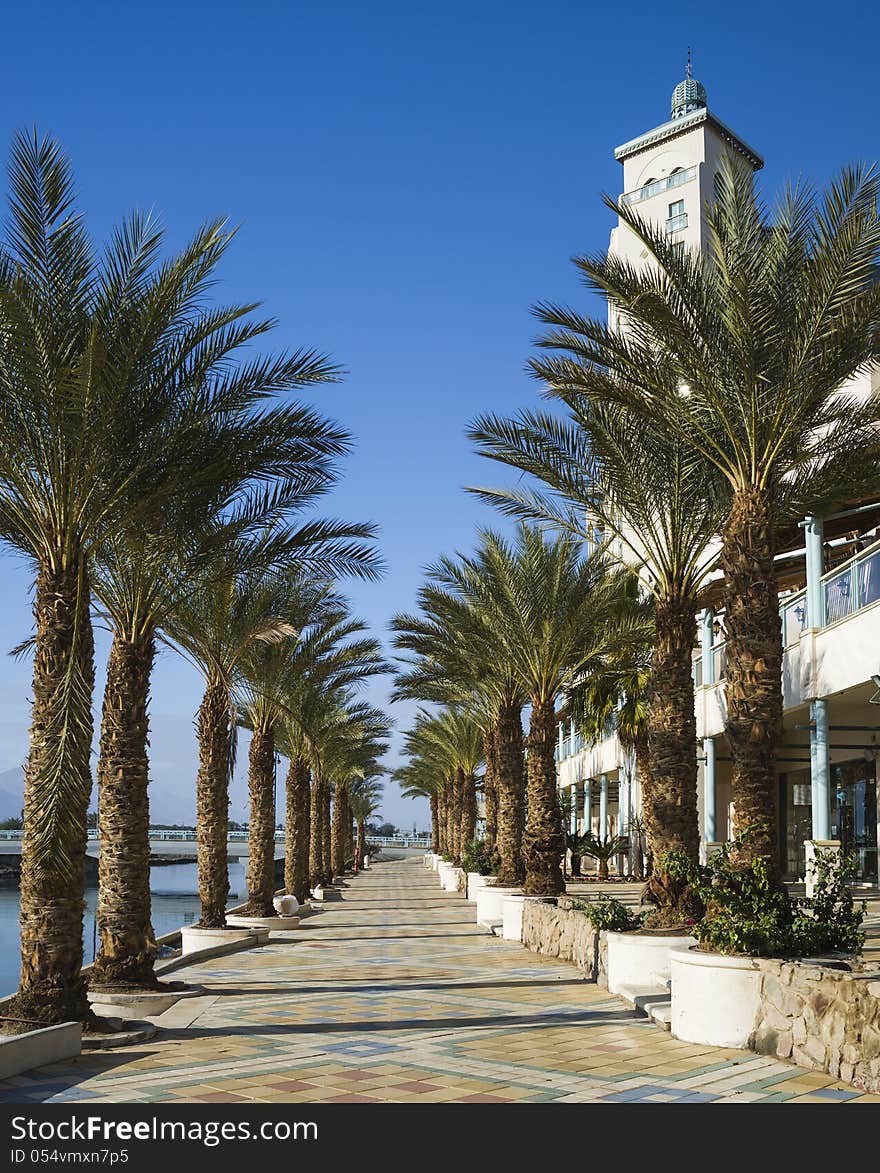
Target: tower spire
pixel 689 94
pixel 689 63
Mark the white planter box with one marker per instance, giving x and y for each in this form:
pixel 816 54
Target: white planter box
pixel 137 1004
pixel 512 915
pixel 453 879
pixel 715 998
pixel 436 860
pixel 51 1044
pixel 427 859
pixel 641 959
pixel 269 923
pixel 443 870
pixel 490 904
pixel 475 882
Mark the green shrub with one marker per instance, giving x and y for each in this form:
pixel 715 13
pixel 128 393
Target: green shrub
pixel 607 913
pixel 747 915
pixel 476 857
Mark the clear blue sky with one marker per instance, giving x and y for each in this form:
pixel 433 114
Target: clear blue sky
pixel 408 179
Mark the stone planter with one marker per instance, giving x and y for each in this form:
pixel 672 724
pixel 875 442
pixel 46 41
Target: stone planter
pixel 512 915
pixel 642 959
pixel 286 905
pixel 51 1044
pixel 193 940
pixel 269 923
pixel 426 859
pixel 443 868
pixel 138 1004
pixel 715 998
pixel 436 860
pixel 490 904
pixel 453 880
pixel 475 882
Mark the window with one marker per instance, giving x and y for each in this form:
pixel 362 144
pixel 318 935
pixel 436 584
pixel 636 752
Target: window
pixel 676 209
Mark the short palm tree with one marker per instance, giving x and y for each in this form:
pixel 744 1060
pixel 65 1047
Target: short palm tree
pixel 364 800
pixel 554 614
pixel 743 354
pixel 416 779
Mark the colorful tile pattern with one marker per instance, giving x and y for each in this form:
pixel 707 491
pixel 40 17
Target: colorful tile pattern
pixel 393 994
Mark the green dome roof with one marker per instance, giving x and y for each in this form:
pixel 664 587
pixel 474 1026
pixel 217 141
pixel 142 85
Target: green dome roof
pixel 688 95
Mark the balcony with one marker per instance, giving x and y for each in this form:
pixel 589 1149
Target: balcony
pixel 676 223
pixel 676 179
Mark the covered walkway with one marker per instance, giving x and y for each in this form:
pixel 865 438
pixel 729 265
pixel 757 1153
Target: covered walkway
pixel 391 993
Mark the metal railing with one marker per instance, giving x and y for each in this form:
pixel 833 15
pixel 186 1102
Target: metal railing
pixel 241 837
pixel 676 223
pixel 853 585
pixel 651 189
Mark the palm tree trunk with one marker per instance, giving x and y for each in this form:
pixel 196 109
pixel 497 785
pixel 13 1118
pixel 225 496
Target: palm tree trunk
pixel 669 793
pixel 435 823
pixel 450 820
pixel 128 944
pixel 215 729
pixel 511 807
pixel 53 851
pixel 754 669
pixel 261 838
pixel 490 789
pixel 441 820
pixel 296 839
pixel 468 810
pixel 326 835
pixel 338 830
pixel 457 783
pixel 316 838
pixel 543 841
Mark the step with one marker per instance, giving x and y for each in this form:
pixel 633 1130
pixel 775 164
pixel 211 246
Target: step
pixel 661 1013
pixel 642 997
pixel 491 925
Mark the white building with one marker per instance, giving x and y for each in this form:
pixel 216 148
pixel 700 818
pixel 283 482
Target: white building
pixel 830 608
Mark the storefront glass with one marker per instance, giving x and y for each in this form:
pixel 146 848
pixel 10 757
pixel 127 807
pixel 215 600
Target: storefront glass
pixel 853 817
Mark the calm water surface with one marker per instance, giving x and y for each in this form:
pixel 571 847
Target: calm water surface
pixel 175 903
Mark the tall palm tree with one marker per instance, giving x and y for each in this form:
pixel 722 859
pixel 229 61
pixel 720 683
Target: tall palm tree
pixel 554 613
pixel 744 353
pixel 659 507
pixel 255 464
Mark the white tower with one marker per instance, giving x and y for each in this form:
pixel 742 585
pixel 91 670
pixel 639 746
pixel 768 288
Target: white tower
pixel 669 172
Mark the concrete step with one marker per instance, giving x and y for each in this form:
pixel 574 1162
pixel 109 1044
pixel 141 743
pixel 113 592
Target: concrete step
pixel 652 1001
pixel 491 925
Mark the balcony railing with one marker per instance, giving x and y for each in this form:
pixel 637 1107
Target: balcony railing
pixel 651 189
pixel 676 223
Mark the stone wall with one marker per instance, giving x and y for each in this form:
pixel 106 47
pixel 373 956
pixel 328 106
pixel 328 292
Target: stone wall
pixel 822 1018
pixel 555 929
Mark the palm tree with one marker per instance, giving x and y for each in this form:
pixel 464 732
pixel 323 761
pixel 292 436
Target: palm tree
pixel 254 465
pixel 457 660
pixel 554 613
pixel 659 507
pixel 353 754
pixel 364 800
pixel 742 353
pixel 417 779
pixel 239 603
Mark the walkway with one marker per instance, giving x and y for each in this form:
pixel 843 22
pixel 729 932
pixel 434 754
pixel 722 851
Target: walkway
pixel 393 994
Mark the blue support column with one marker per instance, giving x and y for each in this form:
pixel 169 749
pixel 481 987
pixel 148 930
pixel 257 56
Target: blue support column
pixel 813 539
pixel 707 638
pixel 603 806
pixel 820 769
pixel 710 824
pixel 588 803
pixel 561 738
pixel 573 816
pixel 571 736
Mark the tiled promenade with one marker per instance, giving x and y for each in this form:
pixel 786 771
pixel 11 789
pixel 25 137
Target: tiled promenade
pixel 393 994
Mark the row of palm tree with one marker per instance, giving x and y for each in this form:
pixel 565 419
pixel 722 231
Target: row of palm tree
pixel 707 415
pixel 154 473
pixel 517 623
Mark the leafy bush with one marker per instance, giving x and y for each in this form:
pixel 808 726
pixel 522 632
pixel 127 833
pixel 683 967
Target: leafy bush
pixel 747 915
pixel 607 913
pixel 477 857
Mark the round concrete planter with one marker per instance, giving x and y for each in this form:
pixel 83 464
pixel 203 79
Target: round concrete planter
pixel 442 869
pixel 453 879
pixel 427 858
pixel 137 1004
pixel 512 915
pixel 193 940
pixel 490 904
pixel 270 923
pixel 715 998
pixel 642 959
pixel 475 882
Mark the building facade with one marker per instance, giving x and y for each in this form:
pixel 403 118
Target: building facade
pixel 829 607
